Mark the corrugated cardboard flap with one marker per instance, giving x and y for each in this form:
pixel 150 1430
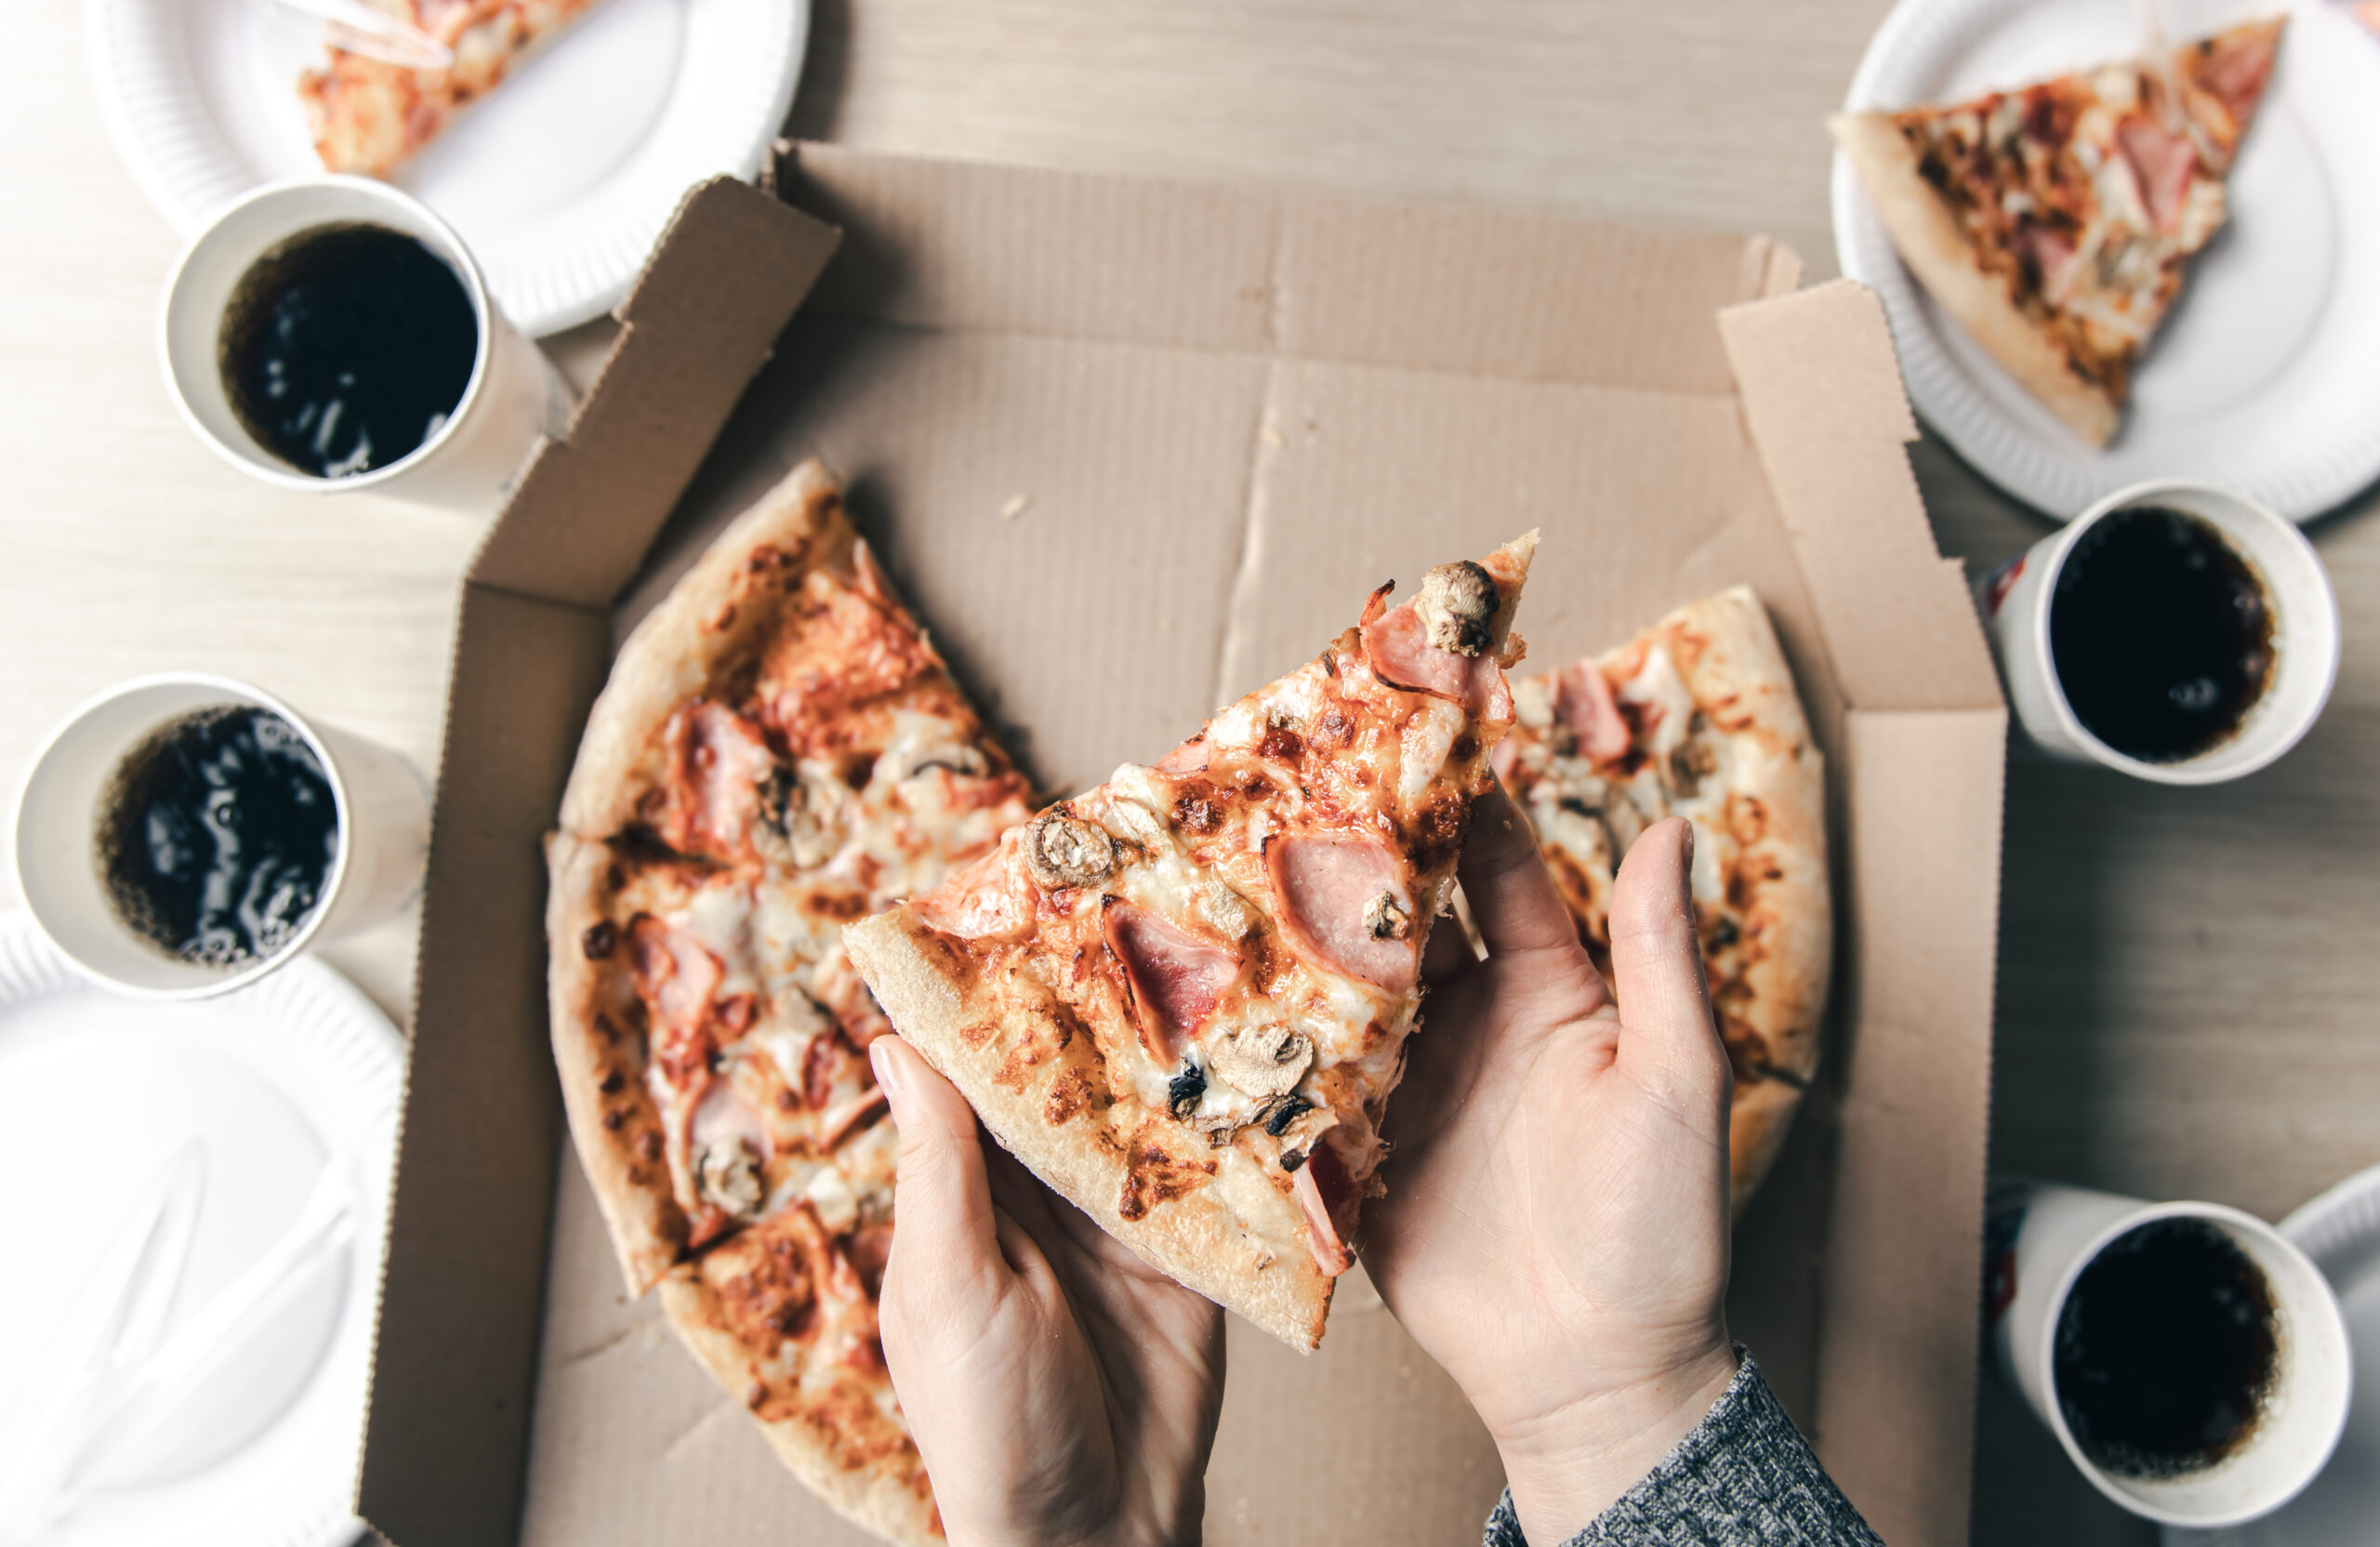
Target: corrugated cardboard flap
pixel 702 318
pixel 1823 404
pixel 463 1290
pixel 1917 819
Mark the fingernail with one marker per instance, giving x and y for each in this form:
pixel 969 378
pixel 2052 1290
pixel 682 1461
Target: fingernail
pixel 879 1058
pixel 1687 850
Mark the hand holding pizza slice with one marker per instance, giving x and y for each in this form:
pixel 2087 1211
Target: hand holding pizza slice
pixel 1181 998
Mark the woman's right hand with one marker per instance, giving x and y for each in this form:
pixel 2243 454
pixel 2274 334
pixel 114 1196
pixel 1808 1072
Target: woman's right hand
pixel 1555 1228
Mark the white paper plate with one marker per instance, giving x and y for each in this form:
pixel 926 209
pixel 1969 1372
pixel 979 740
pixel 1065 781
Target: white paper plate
pixel 2266 377
pixel 559 182
pixel 278 1082
pixel 2341 1231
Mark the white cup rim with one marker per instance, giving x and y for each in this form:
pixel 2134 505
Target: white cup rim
pixel 224 982
pixel 2199 769
pixel 2310 1466
pixel 454 253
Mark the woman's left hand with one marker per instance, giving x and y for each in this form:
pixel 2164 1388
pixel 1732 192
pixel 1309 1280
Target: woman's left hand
pixel 1061 1390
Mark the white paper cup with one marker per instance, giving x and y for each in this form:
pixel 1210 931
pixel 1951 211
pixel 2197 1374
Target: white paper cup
pixel 2039 1237
pixel 382 807
pixel 2305 635
pixel 514 395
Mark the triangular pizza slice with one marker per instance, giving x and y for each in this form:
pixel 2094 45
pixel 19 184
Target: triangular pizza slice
pixel 1181 998
pixel 2053 222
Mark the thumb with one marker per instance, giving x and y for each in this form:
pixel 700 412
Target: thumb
pixel 941 1194
pixel 1657 957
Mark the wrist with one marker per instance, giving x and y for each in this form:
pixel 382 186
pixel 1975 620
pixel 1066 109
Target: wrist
pixel 1567 1467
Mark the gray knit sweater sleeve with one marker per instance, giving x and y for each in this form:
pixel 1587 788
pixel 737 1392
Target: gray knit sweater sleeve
pixel 1744 1477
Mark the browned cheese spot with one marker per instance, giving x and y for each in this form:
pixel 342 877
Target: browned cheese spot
pixel 842 907
pixel 1152 1175
pixel 1436 831
pixel 1282 744
pixel 976 1033
pixel 599 940
pixel 1195 809
pixel 1069 1095
pixel 1040 1037
pixel 1690 763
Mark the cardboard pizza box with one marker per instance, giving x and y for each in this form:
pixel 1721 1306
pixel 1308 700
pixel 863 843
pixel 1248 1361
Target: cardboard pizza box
pixel 1131 448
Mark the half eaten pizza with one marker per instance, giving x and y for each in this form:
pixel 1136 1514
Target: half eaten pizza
pixel 2053 222
pixel 779 751
pixel 1181 998
pixel 1698 717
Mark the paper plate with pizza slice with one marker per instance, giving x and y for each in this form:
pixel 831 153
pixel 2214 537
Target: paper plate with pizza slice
pixel 2122 242
pixel 556 136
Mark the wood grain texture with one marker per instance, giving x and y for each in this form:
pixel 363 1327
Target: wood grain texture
pixel 2182 1009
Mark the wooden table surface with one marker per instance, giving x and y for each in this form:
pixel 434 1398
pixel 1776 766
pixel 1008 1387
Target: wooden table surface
pixel 2183 1005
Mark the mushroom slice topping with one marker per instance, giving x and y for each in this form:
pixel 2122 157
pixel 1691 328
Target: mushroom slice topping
pixel 729 1175
pixel 1261 1061
pixel 1387 919
pixel 802 812
pixel 1455 604
pixel 1061 850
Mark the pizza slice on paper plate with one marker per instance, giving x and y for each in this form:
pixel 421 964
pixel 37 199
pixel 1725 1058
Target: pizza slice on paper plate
pixel 1181 998
pixel 367 115
pixel 2053 222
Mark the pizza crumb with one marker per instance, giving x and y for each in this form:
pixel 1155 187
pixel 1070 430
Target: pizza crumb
pixel 1015 506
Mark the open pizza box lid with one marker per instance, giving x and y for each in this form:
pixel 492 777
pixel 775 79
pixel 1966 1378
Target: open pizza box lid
pixel 1131 448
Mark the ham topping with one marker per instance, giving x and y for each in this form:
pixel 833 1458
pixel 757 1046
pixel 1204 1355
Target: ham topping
pixel 839 1123
pixel 1327 894
pixel 2161 162
pixel 1188 757
pixel 676 973
pixel 1330 1254
pixel 2236 74
pixel 1582 700
pixel 717 762
pixel 2053 256
pixel 990 899
pixel 1176 976
pixel 1398 643
pixel 839 988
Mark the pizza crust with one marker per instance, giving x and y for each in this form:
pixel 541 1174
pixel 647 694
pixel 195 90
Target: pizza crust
pixel 1740 658
pixel 1757 1124
pixel 1929 240
pixel 1737 671
pixel 999 1054
pixel 895 1502
pixel 648 1228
